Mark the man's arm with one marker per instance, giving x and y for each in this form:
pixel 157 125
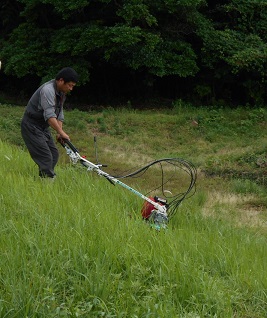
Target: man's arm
pixel 57 126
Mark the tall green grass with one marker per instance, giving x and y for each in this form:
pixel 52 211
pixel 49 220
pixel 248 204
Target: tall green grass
pixel 77 247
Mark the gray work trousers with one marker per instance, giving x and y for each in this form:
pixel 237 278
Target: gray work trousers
pixel 41 146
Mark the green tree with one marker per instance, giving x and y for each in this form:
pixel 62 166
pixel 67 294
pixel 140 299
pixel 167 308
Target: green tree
pixel 220 45
pixel 138 34
pixel 9 16
pixel 235 45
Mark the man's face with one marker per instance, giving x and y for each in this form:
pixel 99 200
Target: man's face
pixel 65 87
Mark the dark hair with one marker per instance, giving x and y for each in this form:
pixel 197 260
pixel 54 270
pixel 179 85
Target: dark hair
pixel 68 74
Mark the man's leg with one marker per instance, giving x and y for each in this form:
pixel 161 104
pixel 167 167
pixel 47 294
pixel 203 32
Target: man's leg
pixel 38 143
pixel 53 150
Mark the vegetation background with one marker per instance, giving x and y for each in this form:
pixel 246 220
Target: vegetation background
pixel 161 78
pixel 202 51
pixel 77 247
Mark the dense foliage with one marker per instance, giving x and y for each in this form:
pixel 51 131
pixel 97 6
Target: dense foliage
pixel 207 50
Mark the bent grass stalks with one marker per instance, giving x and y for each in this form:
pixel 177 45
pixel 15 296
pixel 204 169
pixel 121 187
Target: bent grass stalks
pixel 77 247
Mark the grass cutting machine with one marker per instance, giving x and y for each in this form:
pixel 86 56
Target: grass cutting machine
pixel 157 210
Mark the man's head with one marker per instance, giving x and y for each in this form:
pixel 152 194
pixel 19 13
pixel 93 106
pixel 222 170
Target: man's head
pixel 66 79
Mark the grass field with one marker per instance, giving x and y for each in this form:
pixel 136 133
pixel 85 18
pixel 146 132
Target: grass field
pixel 77 247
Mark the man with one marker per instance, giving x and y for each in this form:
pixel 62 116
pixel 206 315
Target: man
pixel 44 110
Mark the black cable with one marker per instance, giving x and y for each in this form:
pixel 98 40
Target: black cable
pixel 177 163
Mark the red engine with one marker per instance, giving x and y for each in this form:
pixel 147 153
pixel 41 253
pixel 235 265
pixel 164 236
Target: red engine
pixel 148 207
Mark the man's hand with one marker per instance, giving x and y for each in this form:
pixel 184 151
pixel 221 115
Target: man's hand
pixel 60 139
pixel 63 136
